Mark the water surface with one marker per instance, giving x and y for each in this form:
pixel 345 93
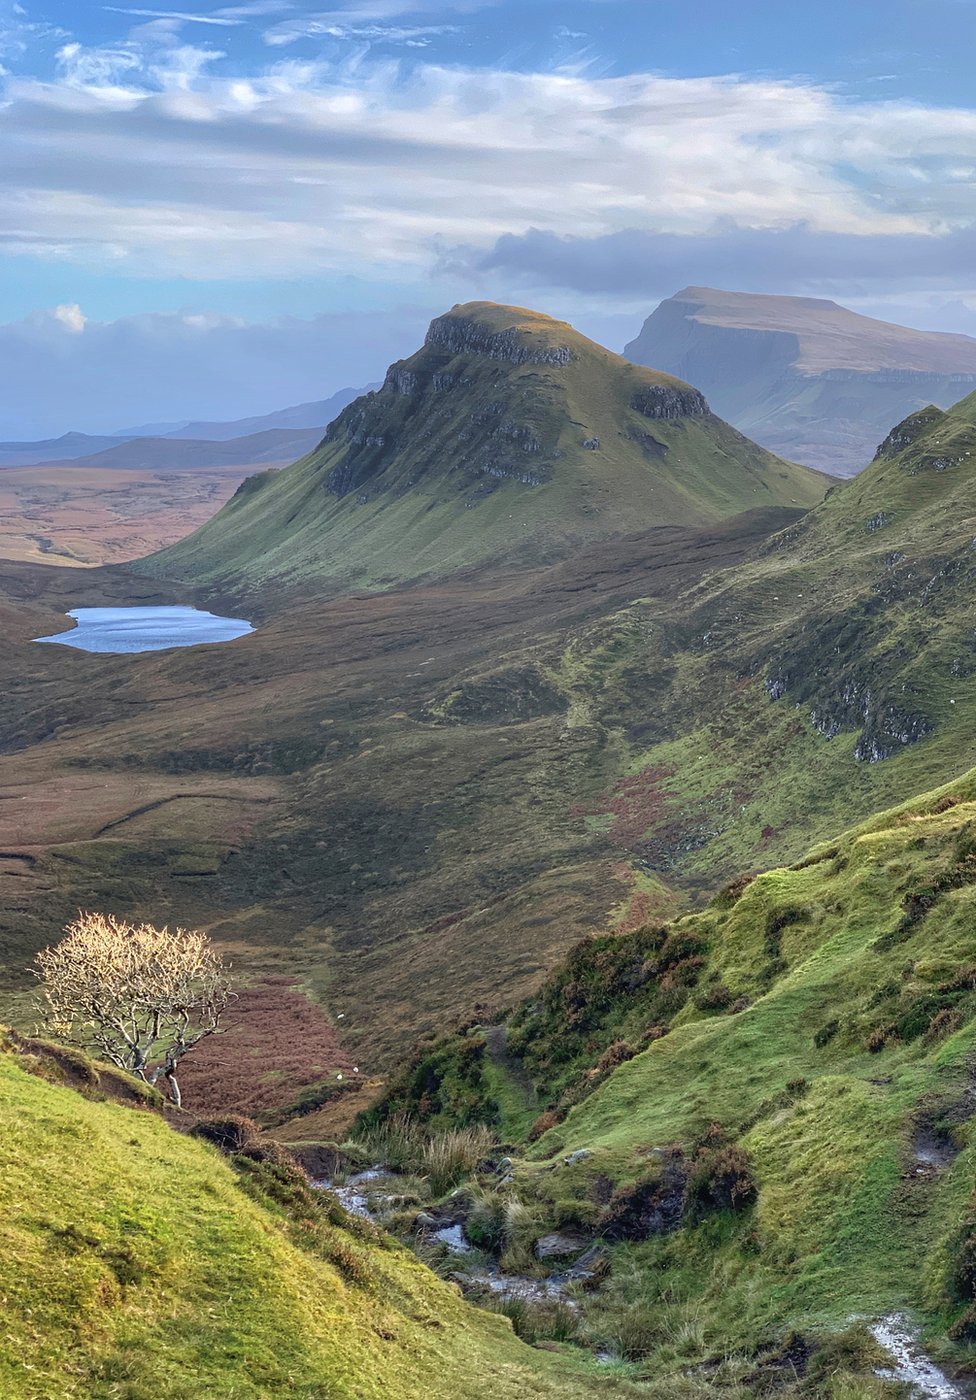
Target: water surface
pixel 146 629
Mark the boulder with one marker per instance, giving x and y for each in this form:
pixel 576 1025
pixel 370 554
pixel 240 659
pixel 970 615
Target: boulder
pixel 561 1244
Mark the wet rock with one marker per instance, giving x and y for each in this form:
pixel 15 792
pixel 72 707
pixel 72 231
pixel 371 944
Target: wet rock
pixel 591 1266
pixel 561 1244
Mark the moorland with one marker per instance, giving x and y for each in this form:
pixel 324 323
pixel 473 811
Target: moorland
pixel 634 842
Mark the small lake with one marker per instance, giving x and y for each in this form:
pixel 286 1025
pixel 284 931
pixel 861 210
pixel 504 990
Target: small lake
pixel 146 629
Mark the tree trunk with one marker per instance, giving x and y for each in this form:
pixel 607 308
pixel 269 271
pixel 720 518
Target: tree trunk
pixel 174 1089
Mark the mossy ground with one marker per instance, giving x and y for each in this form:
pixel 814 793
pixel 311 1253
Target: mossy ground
pixel 825 1018
pixel 135 1264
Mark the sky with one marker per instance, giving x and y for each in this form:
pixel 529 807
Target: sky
pixel 211 210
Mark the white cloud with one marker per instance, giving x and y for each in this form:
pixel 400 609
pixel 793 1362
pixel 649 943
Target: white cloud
pixel 325 27
pixel 140 154
pixel 181 16
pixel 71 317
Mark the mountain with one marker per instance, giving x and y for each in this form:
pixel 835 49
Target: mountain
pixel 297 429
pixel 69 445
pixel 808 379
pixel 507 436
pixel 274 445
pixel 137 1260
pixel 318 414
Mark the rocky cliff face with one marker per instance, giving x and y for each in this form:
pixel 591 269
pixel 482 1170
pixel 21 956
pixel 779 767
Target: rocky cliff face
pixel 808 379
pixel 511 426
pixel 468 335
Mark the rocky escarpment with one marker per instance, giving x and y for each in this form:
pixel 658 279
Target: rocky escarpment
pixel 468 335
pixel 808 379
pixel 908 432
pixel 669 402
pixel 465 352
pixel 506 435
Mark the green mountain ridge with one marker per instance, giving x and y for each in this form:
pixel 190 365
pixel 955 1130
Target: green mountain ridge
pixel 507 437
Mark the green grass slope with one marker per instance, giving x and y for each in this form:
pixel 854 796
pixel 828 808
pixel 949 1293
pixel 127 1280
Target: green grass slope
pixel 137 1263
pixel 811 1031
pixel 507 436
pixel 826 676
pixel 828 1025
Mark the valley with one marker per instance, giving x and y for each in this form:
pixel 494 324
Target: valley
pixel 81 517
pixel 517 845
pixel 487 739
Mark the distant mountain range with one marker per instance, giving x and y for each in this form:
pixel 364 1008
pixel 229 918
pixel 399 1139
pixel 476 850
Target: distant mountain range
pixel 275 445
pixel 808 379
pixel 507 436
pixel 267 438
pixel 318 414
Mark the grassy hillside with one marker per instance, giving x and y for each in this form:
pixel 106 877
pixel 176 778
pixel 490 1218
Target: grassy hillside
pixel 137 1263
pixel 809 1035
pixel 414 802
pixel 507 436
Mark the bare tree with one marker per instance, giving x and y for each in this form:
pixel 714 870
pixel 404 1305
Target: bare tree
pixel 139 996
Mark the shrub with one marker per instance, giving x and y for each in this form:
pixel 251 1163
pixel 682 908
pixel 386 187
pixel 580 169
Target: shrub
pixel 637 1330
pixel 447 1158
pixel 779 919
pixel 538 1322
pixel 733 892
pixel 963 1276
pixel 343 1256
pixel 231 1133
pixel 879 1038
pixel 964 1327
pixel 826 1034
pixel 543 1123
pixel 713 997
pixel 721 1175
pixel 275 1154
pixel 616 1054
pixel 943 1024
pixel 487 1225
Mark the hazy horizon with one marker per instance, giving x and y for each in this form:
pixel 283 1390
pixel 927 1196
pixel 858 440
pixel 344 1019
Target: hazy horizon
pixel 212 211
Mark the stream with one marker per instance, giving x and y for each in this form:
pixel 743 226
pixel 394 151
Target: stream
pixel 369 1205
pixel 910 1364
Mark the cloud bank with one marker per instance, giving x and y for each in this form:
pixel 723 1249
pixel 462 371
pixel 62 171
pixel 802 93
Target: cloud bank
pixel 795 259
pixel 62 371
pixel 148 156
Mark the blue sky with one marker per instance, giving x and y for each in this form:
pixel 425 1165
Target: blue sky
pixel 208 209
